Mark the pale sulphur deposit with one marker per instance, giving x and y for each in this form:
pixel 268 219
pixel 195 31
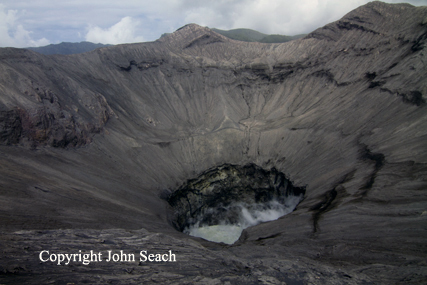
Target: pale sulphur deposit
pixel 228 234
pixel 250 215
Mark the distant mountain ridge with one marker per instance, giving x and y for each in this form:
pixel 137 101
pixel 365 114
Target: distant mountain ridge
pixel 245 35
pixel 67 48
pixel 248 35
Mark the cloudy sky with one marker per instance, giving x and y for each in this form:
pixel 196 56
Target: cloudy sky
pixel 26 23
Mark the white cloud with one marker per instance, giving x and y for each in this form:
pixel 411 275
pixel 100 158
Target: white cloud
pixel 124 31
pixel 287 17
pixel 271 16
pixel 128 20
pixel 13 34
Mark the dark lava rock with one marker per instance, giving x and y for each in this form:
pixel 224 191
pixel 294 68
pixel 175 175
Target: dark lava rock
pixel 201 199
pixel 90 143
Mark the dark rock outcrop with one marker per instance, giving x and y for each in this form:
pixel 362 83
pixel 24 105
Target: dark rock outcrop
pixel 205 199
pixel 91 142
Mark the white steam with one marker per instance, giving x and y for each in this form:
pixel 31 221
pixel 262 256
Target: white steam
pixel 249 215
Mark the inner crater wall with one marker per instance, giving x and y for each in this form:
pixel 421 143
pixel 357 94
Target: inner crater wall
pixel 205 199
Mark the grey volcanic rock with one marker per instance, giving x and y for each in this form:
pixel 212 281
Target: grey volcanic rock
pixel 91 143
pixel 41 104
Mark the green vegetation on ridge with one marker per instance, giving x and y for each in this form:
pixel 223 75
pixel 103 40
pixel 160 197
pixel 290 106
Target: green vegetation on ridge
pixel 67 48
pixel 248 35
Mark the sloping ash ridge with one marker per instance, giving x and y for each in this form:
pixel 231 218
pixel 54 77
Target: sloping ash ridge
pixel 96 141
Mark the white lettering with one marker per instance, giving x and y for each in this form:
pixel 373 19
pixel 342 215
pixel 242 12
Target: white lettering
pixel 52 257
pixel 61 258
pixel 166 257
pixel 172 255
pixel 86 259
pixel 143 255
pixel 151 257
pixel 41 255
pixel 68 258
pixel 121 256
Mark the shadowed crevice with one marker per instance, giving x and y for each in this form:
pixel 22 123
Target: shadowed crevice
pixel 379 160
pixel 322 207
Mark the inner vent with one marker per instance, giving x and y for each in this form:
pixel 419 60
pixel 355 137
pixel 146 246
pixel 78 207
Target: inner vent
pixel 223 201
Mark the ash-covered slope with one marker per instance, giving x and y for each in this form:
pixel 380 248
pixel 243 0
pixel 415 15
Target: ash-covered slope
pixel 96 140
